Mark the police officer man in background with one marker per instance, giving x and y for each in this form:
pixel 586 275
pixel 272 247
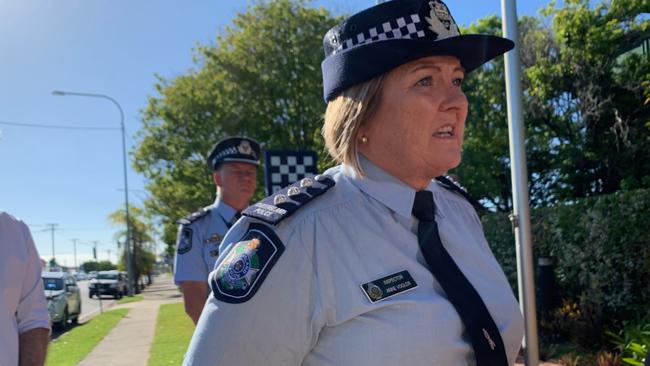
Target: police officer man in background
pixel 233 162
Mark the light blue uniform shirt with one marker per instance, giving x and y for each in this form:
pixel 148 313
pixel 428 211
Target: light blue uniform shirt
pixel 311 310
pixel 198 241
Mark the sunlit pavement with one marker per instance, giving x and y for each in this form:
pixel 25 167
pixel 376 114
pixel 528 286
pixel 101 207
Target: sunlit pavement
pixel 129 342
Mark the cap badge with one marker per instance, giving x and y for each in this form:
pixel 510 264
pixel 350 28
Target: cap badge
pixel 440 21
pixel 245 148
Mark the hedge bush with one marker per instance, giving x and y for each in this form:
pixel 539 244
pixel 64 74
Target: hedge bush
pixel 601 251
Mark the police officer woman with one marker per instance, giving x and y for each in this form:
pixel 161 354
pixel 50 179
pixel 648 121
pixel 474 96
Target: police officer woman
pixel 381 260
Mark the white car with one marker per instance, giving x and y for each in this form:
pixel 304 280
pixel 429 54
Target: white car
pixel 63 298
pixel 108 283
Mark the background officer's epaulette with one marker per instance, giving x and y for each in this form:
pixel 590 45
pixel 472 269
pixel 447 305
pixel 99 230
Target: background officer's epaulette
pixel 286 201
pixel 450 184
pixel 192 217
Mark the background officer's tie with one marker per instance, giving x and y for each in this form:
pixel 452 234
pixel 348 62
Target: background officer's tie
pixel 485 336
pixel 234 219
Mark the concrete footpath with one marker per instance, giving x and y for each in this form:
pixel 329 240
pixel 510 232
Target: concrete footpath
pixel 129 342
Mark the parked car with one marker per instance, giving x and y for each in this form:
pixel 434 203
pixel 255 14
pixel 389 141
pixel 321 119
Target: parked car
pixel 108 283
pixel 63 298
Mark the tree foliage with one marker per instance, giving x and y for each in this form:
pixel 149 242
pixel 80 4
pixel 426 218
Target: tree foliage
pixel 97 266
pixel 260 79
pixel 601 256
pixel 141 241
pixel 586 115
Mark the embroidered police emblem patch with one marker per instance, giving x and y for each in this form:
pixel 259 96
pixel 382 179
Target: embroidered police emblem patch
pixel 246 265
pixel 185 241
pixel 388 286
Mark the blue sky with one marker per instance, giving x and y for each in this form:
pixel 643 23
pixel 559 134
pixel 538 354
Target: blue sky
pixel 74 177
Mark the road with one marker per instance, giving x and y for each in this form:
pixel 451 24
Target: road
pixel 91 306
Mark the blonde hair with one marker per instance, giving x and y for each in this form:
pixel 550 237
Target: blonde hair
pixel 345 115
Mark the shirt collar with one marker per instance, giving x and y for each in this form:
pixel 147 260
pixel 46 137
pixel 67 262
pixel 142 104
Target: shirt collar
pixel 227 212
pixel 383 187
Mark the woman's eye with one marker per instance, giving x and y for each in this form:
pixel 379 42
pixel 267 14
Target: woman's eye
pixel 427 81
pixel 458 81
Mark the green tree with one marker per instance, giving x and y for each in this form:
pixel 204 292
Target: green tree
pixel 141 242
pixel 586 119
pixel 97 266
pixel 593 98
pixel 260 79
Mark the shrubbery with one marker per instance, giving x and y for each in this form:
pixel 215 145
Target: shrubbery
pixel 601 250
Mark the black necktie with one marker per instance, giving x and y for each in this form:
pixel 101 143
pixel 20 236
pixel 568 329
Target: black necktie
pixel 232 222
pixel 234 219
pixel 485 336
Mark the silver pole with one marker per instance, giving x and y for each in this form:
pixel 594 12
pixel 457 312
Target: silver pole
pixel 519 180
pixel 52 228
pixel 74 243
pixel 129 264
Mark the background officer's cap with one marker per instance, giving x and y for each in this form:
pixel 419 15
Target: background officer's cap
pixel 379 39
pixel 236 150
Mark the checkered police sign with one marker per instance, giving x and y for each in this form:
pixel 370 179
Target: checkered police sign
pixel 284 167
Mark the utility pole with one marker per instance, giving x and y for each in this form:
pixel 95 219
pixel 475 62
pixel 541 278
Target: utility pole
pixel 108 252
pixel 52 227
pixel 95 249
pixel 74 245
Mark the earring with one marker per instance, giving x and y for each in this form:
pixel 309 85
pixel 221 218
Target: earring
pixel 364 139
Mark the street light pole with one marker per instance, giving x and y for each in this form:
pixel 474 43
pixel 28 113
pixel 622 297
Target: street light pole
pixel 52 228
pixel 74 242
pixel 129 265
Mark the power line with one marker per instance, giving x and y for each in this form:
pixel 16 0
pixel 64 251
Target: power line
pixel 90 229
pixel 72 229
pixel 59 127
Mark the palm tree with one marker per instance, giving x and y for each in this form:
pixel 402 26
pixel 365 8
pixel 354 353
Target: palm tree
pixel 141 242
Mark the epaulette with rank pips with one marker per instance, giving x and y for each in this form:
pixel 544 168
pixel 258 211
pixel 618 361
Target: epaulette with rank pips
pixel 451 184
pixel 193 217
pixel 286 201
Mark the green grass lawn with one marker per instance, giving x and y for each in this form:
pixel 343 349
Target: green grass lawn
pixel 173 333
pixel 126 299
pixel 73 346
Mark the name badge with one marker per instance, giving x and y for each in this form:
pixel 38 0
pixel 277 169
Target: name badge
pixel 388 286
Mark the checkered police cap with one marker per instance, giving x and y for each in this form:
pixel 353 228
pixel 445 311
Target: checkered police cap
pixel 234 149
pixel 379 39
